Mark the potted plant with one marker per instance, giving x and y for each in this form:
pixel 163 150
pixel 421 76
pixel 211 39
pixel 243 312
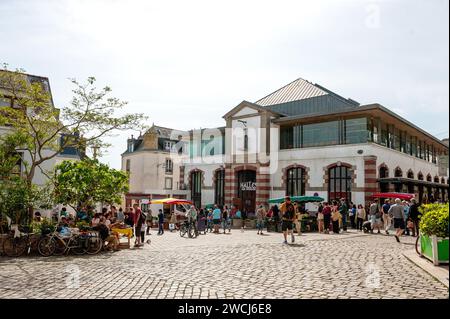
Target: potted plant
pixel 250 222
pixel 237 222
pixel 434 232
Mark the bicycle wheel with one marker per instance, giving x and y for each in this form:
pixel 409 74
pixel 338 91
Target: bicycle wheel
pixel 46 246
pixel 94 245
pixel 191 232
pixel 79 245
pixel 182 230
pixel 60 246
pixel 14 247
pixel 417 245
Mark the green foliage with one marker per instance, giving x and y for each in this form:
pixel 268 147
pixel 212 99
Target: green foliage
pixel 434 220
pixel 87 182
pixel 45 226
pixel 83 225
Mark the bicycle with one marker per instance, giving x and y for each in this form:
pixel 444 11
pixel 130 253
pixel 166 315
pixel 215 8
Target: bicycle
pixel 16 246
pixel 55 244
pixel 188 227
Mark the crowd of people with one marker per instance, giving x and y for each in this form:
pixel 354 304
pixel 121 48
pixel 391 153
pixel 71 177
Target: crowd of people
pixel 331 217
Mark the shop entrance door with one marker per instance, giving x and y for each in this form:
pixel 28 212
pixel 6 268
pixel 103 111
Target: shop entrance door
pixel 247 191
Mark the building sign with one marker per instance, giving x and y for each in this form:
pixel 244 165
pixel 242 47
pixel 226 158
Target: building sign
pixel 248 186
pixel 145 201
pixel 443 165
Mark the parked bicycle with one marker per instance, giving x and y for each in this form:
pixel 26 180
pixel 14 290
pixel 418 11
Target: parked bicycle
pixel 188 228
pixel 16 246
pixel 79 243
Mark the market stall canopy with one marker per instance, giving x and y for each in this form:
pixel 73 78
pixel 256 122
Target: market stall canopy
pixel 394 195
pixel 300 199
pixel 171 201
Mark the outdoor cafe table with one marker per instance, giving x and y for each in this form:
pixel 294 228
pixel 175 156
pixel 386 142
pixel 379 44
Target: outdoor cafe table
pixel 128 232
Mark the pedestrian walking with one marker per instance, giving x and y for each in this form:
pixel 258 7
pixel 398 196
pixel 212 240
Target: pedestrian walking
pixel 226 219
pixel 287 218
pixel 160 222
pixel 396 211
pixel 216 214
pixel 375 216
pixel 360 217
pixel 406 213
pixel 209 221
pixel 260 216
pixel 386 217
pixel 326 217
pixel 414 215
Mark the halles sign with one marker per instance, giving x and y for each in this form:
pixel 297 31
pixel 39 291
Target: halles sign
pixel 248 186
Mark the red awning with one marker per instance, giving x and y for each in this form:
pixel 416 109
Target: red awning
pixel 394 195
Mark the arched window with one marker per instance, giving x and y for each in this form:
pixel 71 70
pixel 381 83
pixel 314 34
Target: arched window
pixel 295 181
pixel 428 178
pixel 219 191
pixel 436 179
pixel 196 188
pixel 340 183
pixel 420 176
pixel 398 172
pixel 384 172
pixel 442 180
pixel 410 174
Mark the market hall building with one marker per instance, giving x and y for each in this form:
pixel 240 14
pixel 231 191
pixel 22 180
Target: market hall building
pixel 302 139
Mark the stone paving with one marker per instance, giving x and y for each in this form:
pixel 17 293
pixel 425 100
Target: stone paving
pixel 236 265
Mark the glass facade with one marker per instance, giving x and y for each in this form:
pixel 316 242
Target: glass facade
pixel 321 134
pixel 355 131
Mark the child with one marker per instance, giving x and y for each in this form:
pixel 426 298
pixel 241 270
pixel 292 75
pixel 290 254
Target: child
pixel 143 231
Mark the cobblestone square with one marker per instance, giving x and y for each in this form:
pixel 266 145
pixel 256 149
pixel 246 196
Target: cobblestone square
pixel 236 265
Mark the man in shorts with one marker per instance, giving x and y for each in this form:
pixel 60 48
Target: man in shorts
pixel 375 216
pixel 287 218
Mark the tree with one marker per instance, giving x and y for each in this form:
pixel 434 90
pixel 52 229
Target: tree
pixel 88 182
pixel 46 130
pixel 15 194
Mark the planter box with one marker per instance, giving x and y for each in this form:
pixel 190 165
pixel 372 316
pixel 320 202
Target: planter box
pixel 237 223
pixel 250 223
pixel 434 249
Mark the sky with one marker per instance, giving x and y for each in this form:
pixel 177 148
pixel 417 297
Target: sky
pixel 186 63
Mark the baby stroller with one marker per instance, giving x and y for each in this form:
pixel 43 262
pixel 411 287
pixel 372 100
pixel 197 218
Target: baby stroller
pixel 201 225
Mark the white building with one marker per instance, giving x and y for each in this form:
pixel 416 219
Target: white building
pixel 302 139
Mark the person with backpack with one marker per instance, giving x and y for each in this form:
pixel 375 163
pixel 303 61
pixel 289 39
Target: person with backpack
pixel 375 216
pixel 288 214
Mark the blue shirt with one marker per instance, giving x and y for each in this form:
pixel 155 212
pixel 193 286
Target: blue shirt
pixel 385 208
pixel 238 214
pixel 216 213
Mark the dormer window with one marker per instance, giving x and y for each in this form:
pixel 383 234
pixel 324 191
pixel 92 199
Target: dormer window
pixel 168 145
